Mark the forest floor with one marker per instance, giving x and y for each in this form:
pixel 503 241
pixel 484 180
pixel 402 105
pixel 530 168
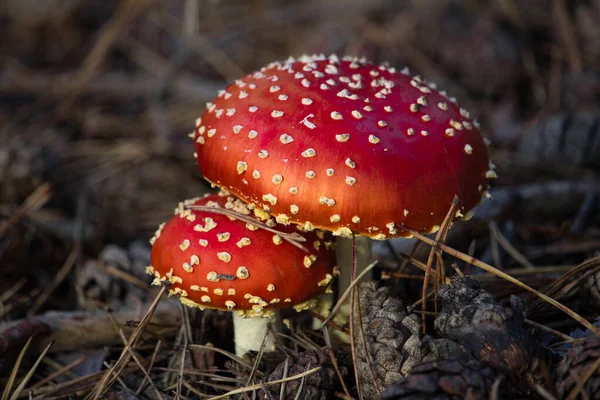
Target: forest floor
pixel 96 101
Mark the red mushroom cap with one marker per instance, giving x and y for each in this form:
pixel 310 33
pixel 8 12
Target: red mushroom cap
pixel 343 145
pixel 215 261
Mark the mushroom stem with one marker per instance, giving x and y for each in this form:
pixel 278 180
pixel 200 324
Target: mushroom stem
pixel 249 333
pixel 364 257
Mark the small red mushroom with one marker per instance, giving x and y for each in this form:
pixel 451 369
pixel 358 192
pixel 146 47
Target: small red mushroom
pixel 343 145
pixel 215 261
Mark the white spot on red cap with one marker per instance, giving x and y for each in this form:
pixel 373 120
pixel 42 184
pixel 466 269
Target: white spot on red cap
pixel 242 272
pixel 309 153
pixel 223 236
pixel 269 197
pixel 343 137
pixel 224 256
pixel 243 242
pixel 277 179
pixel 307 123
pixel 263 154
pixel 184 245
pixel 241 167
pixel 286 139
pixel 336 115
pixel 373 139
pixel 327 201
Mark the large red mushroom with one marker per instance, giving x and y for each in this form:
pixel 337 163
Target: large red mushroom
pixel 216 261
pixel 343 145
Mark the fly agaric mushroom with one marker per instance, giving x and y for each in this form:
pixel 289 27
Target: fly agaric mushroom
pixel 343 145
pixel 215 261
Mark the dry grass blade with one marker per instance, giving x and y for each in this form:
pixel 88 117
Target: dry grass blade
pixel 543 392
pixel 510 249
pixel 232 356
pixel 219 60
pixel 25 380
pixel 15 370
pixel 301 384
pixel 286 367
pixel 126 13
pixel 152 361
pixel 589 266
pixel 58 278
pixel 271 383
pixel 342 299
pixel 549 330
pixel 10 292
pixel 114 371
pixel 567 34
pixel 293 238
pixel 486 267
pixel 140 365
pixel 432 255
pixel 333 361
pixel 580 382
pixel 361 332
pixel 352 290
pixel 261 352
pixel 36 200
pixel 60 372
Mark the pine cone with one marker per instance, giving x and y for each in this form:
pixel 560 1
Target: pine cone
pixel 98 286
pixel 576 364
pixel 318 386
pixel 444 380
pixel 491 332
pixel 393 339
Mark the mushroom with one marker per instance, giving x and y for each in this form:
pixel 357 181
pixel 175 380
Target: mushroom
pixel 216 261
pixel 344 145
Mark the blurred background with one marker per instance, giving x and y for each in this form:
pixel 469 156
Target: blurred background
pixel 97 99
